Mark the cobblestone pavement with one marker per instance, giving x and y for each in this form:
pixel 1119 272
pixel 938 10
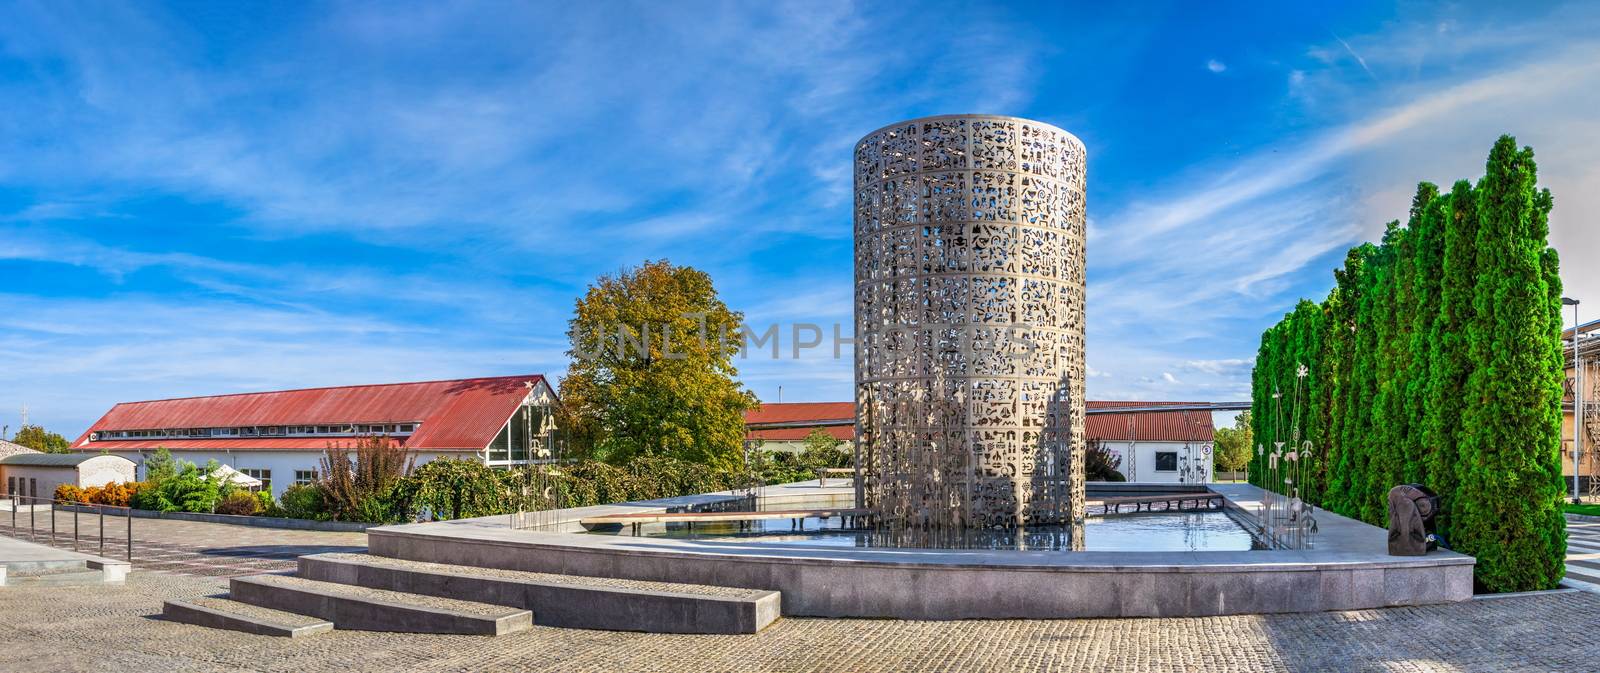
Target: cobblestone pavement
pixel 112 628
pixel 186 547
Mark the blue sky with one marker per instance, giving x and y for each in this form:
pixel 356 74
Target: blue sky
pixel 201 198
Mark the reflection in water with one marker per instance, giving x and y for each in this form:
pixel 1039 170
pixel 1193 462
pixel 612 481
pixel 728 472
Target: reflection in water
pixel 1177 531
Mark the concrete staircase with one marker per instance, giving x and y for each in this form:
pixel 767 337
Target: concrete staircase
pixel 374 593
pixel 296 606
pixel 569 601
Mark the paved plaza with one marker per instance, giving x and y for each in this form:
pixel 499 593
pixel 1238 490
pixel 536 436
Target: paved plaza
pixel 98 628
pixel 187 547
pixel 116 628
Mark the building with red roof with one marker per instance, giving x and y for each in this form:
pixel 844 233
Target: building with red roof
pixel 1156 441
pixel 279 437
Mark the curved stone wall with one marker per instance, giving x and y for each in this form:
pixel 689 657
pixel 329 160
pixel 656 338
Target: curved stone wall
pixel 969 235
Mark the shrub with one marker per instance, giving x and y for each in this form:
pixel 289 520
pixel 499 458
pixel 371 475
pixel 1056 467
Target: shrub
pixel 455 489
pixel 303 501
pixel 70 493
pixel 116 494
pixel 188 490
pixel 240 502
pixel 1100 464
pixel 359 487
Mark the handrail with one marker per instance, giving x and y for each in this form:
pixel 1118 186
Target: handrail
pixel 34 503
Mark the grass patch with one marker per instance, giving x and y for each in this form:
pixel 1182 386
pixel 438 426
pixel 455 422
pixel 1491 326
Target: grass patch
pixel 1591 510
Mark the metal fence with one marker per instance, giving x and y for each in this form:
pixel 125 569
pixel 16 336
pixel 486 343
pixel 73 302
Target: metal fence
pixel 55 530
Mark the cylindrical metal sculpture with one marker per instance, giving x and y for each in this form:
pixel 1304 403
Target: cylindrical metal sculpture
pixel 969 245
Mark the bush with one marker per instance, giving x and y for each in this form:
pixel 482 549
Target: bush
pixel 455 489
pixel 1100 464
pixel 70 493
pixel 360 487
pixel 240 503
pixel 188 490
pixel 302 501
pixel 113 494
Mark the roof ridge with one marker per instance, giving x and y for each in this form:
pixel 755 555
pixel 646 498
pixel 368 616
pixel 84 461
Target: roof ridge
pixel 524 377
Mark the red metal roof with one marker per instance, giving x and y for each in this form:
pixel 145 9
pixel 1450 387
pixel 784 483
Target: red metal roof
pixel 792 412
pixel 1148 426
pixel 841 432
pixel 460 414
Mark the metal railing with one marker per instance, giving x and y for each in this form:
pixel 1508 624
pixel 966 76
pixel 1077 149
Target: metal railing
pixel 52 506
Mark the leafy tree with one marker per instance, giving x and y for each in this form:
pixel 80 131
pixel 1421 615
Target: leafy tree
pixel 652 371
pixel 160 466
pixel 40 439
pixel 1233 446
pixel 820 441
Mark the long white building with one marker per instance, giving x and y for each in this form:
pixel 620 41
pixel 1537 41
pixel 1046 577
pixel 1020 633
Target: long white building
pixel 281 437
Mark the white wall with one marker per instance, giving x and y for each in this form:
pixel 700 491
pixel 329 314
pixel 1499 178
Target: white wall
pixel 1143 467
pixel 282 463
pixel 102 470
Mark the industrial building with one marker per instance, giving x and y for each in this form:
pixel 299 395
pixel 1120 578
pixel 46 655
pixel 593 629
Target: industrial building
pixel 281 437
pixel 1159 442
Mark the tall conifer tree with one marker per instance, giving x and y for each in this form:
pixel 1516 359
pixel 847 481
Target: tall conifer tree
pixel 1507 507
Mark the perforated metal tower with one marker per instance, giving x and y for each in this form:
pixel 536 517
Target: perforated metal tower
pixel 969 246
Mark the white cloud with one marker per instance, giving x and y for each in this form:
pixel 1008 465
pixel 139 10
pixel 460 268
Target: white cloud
pixel 1220 367
pixel 1212 258
pixel 1216 66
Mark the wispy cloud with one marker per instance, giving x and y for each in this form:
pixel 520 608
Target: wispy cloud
pixel 1224 252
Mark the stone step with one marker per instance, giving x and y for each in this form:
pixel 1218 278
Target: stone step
pixel 569 601
pixel 69 578
pixel 218 612
pixel 374 609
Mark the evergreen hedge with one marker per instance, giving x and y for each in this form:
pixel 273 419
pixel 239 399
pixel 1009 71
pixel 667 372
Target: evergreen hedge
pixel 1435 359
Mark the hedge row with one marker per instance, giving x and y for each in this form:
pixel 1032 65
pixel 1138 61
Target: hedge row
pixel 1436 359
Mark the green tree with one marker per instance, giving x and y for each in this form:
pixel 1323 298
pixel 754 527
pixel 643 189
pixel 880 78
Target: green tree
pixel 1508 504
pixel 1450 354
pixel 652 370
pixel 1440 363
pixel 1427 239
pixel 40 439
pixel 1233 446
pixel 160 466
pixel 819 441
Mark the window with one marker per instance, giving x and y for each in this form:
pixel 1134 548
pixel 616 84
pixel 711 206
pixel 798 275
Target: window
pixel 1166 461
pixel 11 485
pixel 406 427
pixel 264 475
pixel 33 487
pixel 304 477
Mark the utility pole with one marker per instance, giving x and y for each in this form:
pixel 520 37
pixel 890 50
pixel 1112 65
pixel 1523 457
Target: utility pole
pixel 1577 397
